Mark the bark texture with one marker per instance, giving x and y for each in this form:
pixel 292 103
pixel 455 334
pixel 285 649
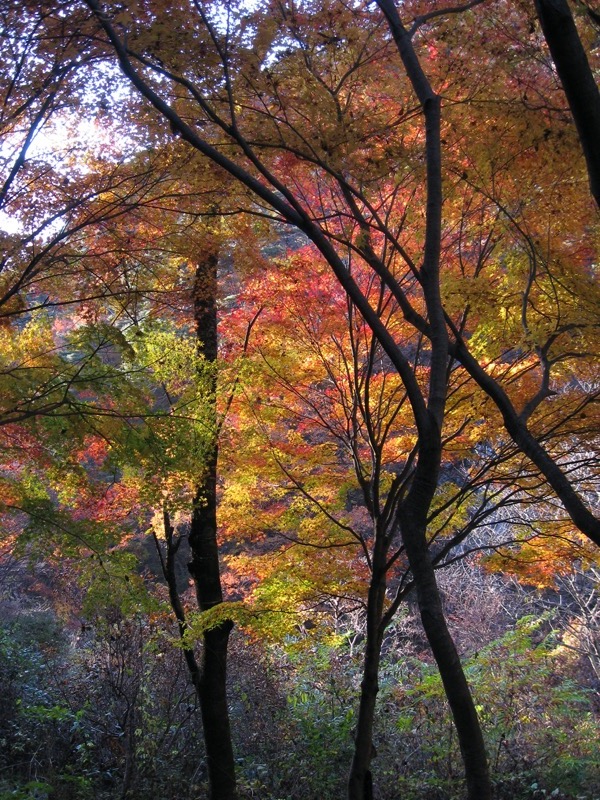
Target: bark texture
pixel 204 564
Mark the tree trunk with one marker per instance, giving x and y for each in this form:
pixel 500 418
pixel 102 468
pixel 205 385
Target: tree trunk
pixel 360 784
pixel 204 564
pixel 212 686
pixel 215 713
pixel 572 66
pixel 413 514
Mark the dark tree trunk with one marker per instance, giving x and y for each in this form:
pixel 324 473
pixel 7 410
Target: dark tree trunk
pixel 212 689
pixel 413 521
pixel 204 564
pixel 572 66
pixel 457 690
pixel 360 784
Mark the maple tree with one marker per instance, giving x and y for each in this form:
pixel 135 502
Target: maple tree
pixel 87 230
pixel 287 205
pixel 309 110
pixel 325 419
pixel 257 88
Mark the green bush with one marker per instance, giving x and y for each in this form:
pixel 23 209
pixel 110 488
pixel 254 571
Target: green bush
pixel 539 723
pixel 117 715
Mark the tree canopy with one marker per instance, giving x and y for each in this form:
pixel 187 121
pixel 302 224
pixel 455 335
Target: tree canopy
pixel 311 288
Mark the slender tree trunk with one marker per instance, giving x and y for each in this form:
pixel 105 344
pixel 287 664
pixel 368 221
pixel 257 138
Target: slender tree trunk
pixel 413 520
pixel 457 690
pixel 204 564
pixel 414 511
pixel 360 785
pixel 129 730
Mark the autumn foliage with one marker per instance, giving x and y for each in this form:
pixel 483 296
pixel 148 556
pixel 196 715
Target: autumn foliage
pixel 298 322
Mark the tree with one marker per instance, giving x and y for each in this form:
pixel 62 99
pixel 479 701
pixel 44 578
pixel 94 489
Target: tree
pixel 348 172
pixel 100 241
pixel 204 565
pixel 259 83
pixel 285 203
pixel 325 419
